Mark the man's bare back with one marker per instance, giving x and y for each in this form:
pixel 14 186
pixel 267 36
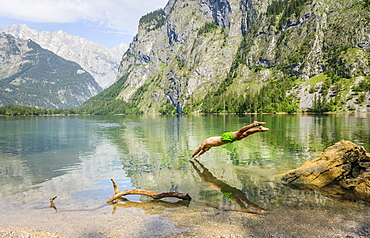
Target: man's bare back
pixel 229 137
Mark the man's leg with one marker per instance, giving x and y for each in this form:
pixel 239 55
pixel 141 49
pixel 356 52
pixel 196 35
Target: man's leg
pixel 254 130
pixel 245 128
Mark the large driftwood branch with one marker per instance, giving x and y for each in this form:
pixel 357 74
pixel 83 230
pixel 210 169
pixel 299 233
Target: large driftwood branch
pixel 152 194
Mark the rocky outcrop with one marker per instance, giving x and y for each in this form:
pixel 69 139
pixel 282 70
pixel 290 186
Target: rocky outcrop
pixel 219 10
pixel 342 172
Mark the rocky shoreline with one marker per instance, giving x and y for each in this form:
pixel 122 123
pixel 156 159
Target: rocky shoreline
pixel 15 232
pixel 209 222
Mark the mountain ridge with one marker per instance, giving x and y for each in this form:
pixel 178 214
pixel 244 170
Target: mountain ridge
pixel 100 62
pixel 249 56
pixel 35 77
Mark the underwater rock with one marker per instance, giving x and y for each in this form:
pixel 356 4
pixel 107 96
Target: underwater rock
pixel 342 172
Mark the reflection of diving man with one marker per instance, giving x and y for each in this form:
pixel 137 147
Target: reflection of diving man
pixel 231 193
pixel 229 137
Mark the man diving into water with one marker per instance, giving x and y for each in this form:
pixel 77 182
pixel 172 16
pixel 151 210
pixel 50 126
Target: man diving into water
pixel 229 137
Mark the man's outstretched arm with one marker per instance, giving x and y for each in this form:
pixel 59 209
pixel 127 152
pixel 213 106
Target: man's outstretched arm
pixel 197 151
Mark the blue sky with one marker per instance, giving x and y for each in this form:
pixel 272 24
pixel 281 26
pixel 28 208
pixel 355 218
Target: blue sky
pixel 108 22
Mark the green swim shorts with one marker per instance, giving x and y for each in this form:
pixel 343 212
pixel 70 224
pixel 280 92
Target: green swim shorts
pixel 229 193
pixel 228 137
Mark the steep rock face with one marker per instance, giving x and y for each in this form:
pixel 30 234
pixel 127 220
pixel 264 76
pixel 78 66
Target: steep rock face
pixel 182 57
pixel 217 55
pixel 99 61
pixel 219 10
pixel 319 37
pixel 33 76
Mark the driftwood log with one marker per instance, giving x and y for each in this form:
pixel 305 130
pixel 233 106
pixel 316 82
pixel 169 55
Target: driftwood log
pixel 152 194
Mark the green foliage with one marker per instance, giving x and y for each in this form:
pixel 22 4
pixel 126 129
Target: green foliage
pixel 271 97
pixel 107 102
pixel 138 95
pixel 101 108
pixel 244 47
pixel 167 108
pixel 364 85
pixel 153 20
pixel 319 105
pixel 336 65
pixel 22 111
pixel 276 7
pixel 366 3
pixel 208 27
pixel 317 79
pixel 294 7
pixel 287 9
pixel 361 98
pixel 180 62
pixel 116 106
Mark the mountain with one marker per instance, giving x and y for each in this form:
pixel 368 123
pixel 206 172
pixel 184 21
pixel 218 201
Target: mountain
pixel 36 77
pixel 99 61
pixel 249 56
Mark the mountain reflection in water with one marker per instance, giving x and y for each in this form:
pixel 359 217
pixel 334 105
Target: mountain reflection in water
pixel 75 157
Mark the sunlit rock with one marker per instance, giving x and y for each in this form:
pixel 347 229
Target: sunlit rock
pixel 342 172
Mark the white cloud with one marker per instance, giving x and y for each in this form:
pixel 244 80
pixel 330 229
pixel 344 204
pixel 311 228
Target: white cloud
pixel 119 15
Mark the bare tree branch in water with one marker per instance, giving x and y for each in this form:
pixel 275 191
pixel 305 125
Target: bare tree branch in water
pixel 152 194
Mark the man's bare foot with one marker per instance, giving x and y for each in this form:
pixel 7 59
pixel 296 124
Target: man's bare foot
pixel 256 123
pixel 263 129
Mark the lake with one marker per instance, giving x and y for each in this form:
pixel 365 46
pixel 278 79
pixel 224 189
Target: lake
pixel 75 157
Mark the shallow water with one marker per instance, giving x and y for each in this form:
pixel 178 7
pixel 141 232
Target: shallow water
pixel 74 158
